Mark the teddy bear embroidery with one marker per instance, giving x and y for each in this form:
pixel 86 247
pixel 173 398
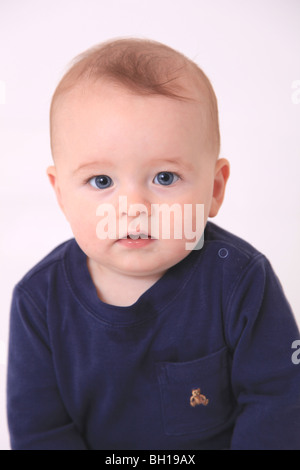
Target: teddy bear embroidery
pixel 197 398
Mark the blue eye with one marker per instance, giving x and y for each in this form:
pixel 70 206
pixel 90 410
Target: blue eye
pixel 101 182
pixel 165 178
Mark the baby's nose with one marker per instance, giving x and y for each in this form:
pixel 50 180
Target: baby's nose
pixel 135 202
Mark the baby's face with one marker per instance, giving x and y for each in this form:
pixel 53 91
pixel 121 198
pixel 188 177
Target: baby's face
pixel 115 150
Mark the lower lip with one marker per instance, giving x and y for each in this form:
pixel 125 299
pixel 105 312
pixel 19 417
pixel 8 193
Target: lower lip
pixel 138 243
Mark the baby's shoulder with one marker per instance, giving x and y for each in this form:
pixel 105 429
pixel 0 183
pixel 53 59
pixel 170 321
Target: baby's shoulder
pixel 228 256
pixel 37 281
pixel 221 238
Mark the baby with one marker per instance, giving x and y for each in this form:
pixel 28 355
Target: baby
pixel 139 333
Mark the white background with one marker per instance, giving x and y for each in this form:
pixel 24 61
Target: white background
pixel 251 52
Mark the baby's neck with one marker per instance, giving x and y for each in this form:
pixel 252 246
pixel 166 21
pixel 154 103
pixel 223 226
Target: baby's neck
pixel 118 289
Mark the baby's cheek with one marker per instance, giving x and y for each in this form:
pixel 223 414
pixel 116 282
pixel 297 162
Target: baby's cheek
pixel 83 221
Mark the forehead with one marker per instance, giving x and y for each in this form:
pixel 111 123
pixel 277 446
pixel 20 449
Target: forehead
pixel 102 114
pixel 88 95
pixel 104 111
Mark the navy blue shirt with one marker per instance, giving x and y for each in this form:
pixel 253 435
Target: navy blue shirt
pixel 83 374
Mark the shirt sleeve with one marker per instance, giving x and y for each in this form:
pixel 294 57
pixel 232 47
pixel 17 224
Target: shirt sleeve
pixel 261 330
pixel 37 417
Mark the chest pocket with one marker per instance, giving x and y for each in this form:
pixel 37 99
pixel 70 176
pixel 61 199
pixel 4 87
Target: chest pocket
pixel 196 396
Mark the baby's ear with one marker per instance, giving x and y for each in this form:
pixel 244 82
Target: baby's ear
pixel 222 170
pixel 51 172
pixel 52 175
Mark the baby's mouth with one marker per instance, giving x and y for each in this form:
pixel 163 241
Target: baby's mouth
pixel 136 240
pixel 136 236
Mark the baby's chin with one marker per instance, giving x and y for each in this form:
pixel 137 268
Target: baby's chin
pixel 145 264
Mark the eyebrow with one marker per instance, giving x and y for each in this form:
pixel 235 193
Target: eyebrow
pixel 93 165
pixel 177 162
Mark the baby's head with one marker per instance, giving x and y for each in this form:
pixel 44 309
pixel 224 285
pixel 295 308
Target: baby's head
pixel 135 142
pixel 145 68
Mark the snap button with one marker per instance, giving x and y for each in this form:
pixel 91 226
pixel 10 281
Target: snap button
pixel 223 253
